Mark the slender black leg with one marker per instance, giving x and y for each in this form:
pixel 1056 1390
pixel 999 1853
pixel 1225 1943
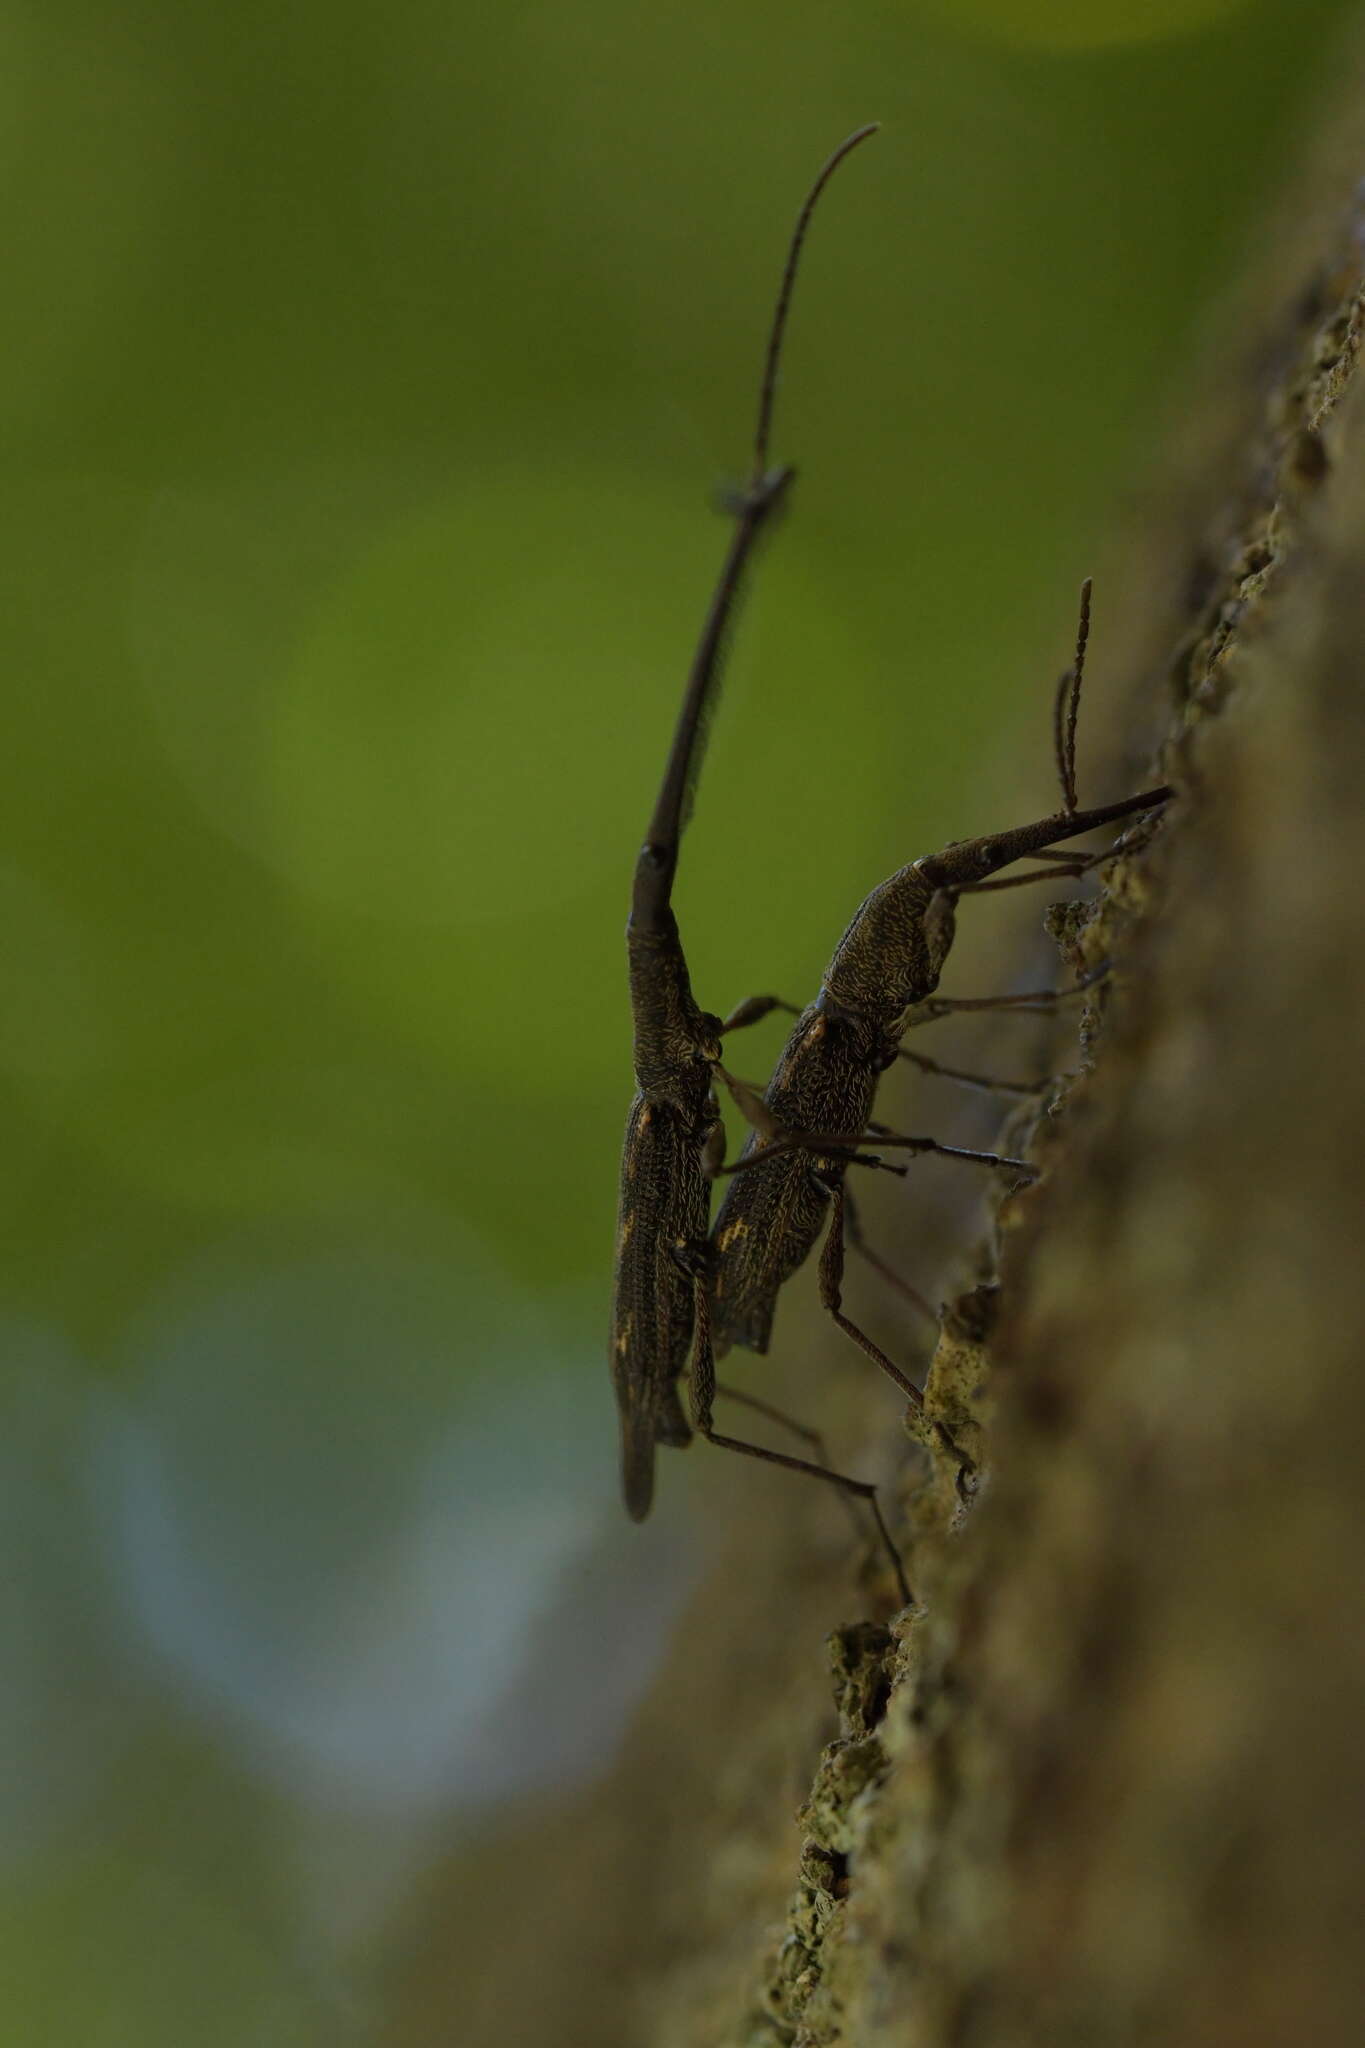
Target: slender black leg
pixel 838 1148
pixel 775 1137
pixel 988 1082
pixel 785 1421
pixel 1063 871
pixel 778 1415
pixel 841 1146
pixel 1038 1002
pixel 753 1009
pixel 831 1294
pixel 703 1395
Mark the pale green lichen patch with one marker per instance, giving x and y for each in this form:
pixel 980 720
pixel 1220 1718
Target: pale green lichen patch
pixel 862 1658
pixel 953 1422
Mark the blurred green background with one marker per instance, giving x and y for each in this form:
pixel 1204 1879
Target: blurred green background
pixel 367 379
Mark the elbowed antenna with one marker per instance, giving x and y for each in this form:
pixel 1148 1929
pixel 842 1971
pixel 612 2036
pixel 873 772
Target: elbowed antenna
pixel 763 495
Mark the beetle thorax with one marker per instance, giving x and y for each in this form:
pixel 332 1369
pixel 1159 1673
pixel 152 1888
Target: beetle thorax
pixel 885 961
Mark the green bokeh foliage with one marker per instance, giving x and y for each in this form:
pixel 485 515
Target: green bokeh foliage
pixel 367 376
pixel 367 386
pixel 368 379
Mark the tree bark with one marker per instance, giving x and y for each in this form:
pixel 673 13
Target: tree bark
pixel 1116 1791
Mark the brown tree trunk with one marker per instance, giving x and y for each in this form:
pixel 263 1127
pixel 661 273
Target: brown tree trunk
pixel 1117 1793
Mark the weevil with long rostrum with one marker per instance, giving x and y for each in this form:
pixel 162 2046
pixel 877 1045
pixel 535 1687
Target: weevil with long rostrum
pixel 814 1115
pixel 674 1138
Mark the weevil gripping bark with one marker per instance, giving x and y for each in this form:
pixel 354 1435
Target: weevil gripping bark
pixel 673 1133
pixel 814 1115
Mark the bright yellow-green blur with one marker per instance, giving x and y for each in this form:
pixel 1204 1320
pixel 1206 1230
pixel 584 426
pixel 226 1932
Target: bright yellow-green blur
pixel 1085 24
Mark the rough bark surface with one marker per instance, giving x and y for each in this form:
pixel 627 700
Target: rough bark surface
pixel 1106 1783
pixel 1103 1784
